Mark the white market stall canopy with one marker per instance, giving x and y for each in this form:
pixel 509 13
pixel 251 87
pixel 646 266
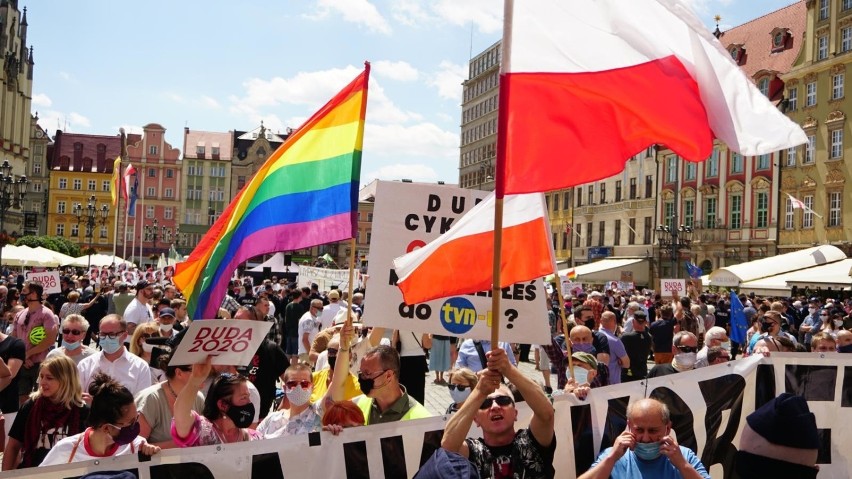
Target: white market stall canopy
pixel 610 269
pixel 62 259
pixel 25 256
pixel 834 275
pixel 736 275
pixel 98 260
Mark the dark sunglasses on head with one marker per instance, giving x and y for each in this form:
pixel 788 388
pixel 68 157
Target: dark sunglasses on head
pixel 453 387
pixel 292 384
pixel 502 401
pixel 75 332
pixel 687 349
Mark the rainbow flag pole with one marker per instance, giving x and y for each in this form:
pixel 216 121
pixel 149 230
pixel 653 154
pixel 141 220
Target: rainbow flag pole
pixel 305 194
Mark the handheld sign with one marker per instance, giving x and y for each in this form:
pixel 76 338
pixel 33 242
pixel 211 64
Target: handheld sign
pixel 229 342
pixel 669 286
pixel 48 279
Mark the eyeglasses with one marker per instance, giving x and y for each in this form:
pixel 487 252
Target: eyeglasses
pixel 74 332
pixel 501 401
pixel 115 335
pixel 687 349
pixel 459 387
pixel 824 314
pixel 304 383
pixel 135 420
pixel 365 376
pixel 146 335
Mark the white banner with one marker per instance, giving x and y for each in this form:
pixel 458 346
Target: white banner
pixel 48 279
pixel 406 217
pixel 230 342
pixel 708 411
pixel 325 278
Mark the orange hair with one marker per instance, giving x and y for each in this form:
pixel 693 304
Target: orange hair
pixel 342 412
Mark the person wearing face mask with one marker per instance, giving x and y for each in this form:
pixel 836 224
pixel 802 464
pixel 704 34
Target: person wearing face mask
pixel 114 359
pixel 302 417
pixel 462 382
pixel 586 375
pixel 581 340
pixel 73 330
pixel 645 448
pixel 811 324
pixel 684 350
pixel 37 327
pixel 113 427
pixel 770 326
pixel 228 410
pixel 844 341
pixel 166 320
pixel 322 377
pixel 140 347
pixel 714 337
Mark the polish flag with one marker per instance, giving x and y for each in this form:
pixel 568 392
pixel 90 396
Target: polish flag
pixel 586 84
pixel 460 260
pixel 797 203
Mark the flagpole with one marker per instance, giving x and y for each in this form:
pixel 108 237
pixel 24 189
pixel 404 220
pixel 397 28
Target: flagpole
pixel 351 277
pixel 558 287
pixel 124 235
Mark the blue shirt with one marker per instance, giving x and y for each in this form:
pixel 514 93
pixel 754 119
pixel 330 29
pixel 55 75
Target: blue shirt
pixel 469 357
pixel 616 351
pixel 631 467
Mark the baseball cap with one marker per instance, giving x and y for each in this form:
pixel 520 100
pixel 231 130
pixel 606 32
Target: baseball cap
pixel 167 312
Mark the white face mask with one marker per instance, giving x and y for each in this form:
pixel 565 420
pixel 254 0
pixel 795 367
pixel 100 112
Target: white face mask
pixel 581 375
pixel 726 345
pixel 838 323
pixel 166 327
pixel 147 347
pixel 299 396
pixel 684 361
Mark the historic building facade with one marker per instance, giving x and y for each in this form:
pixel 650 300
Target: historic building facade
pixel 479 120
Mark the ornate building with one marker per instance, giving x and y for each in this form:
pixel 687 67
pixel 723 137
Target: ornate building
pixel 816 173
pixel 250 150
pixel 35 203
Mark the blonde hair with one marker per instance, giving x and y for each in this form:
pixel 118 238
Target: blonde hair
pixel 64 370
pixel 151 328
pixel 76 318
pixel 466 374
pixel 73 296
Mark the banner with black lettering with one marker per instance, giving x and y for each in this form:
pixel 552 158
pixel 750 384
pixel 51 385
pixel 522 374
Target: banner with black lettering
pixel 326 278
pixel 407 216
pixel 709 408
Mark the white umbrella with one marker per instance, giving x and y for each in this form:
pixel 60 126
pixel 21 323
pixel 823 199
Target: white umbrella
pixel 25 256
pixel 61 258
pixel 98 260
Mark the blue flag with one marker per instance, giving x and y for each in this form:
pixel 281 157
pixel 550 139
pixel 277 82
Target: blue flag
pixel 738 320
pixel 693 270
pixel 134 195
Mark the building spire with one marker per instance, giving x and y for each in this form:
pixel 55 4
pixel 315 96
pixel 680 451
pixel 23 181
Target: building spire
pixel 717 33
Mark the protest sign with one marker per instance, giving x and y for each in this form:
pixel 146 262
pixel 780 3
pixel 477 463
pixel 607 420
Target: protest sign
pixel 571 289
pixel 406 217
pixel 48 279
pixel 627 276
pixel 325 278
pixel 626 286
pixel 230 342
pixel 669 286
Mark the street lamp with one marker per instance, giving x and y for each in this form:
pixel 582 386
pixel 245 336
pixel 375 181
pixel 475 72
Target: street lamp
pixel 12 193
pixel 672 240
pixel 91 216
pixel 153 232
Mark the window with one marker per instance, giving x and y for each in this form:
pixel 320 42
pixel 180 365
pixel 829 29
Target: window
pixel 556 202
pixel 36 187
pixel 37 167
pixel 78 184
pixel 565 240
pixel 370 217
pixel 792 99
pixel 591 193
pixel 603 193
pixel 149 211
pixel 566 200
pixel 808 212
pixel 788 215
pixel 837 143
pixel 823 9
pixel 710 212
pixel 791 156
pixel 579 196
pixel 104 231
pixel 689 213
pixel 846 38
pixel 60 229
pixel 837 86
pixel 671 169
pixel 736 162
pixel 763 162
pixel 711 166
pixel 588 234
pixel 546 201
pixel 618 190
pixel 601 232
pixel 736 220
pixel 632 188
pixel 822 47
pixel 214 151
pixel 578 230
pixel 152 150
pixel 616 240
pixel 631 231
pixel 647 230
pixel 75 231
pixel 168 213
pixel 190 170
pixel 106 185
pixel 92 184
pixel 847 4
pixel 834 205
pixel 690 170
pixel 761 209
pixel 63 183
pixel 152 172
pixel 649 186
pixel 199 150
pixel 60 207
pixel 150 192
pixel 668 214
pixel 810 150
pixel 763 86
pixel 169 193
pixel 810 94
pixel 241 181
pixel 170 173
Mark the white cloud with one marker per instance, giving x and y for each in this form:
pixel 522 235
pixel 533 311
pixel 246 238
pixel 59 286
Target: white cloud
pixel 42 100
pixel 79 120
pixel 65 75
pixel 69 122
pixel 210 102
pixel 360 12
pixel 448 80
pixel 418 140
pixel 129 129
pixel 400 71
pixel 410 13
pixel 398 171
pixel 176 98
pixel 446 118
pixel 487 15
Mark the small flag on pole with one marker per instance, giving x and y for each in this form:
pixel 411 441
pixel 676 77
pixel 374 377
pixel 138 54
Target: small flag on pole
pixel 738 320
pixel 117 181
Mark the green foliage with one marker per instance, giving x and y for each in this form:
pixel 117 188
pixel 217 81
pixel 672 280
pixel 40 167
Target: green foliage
pixel 53 243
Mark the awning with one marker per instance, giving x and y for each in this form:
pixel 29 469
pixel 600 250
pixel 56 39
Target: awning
pixel 739 274
pixel 607 270
pixel 834 275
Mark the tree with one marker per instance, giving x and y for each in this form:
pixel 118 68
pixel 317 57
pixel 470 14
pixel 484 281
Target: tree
pixel 53 243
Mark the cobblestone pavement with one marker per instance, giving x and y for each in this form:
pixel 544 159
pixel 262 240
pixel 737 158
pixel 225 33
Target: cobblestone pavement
pixel 438 396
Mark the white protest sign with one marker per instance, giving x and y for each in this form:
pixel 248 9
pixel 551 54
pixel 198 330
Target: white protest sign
pixel 230 342
pixel 325 278
pixel 48 279
pixel 570 288
pixel 669 286
pixel 406 217
pixel 625 285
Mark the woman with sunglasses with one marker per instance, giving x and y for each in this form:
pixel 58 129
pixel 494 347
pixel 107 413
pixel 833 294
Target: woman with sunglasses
pixel 156 403
pixel 113 427
pixel 73 331
pixel 302 417
pixel 140 348
pixel 227 414
pixel 55 411
pixel 462 382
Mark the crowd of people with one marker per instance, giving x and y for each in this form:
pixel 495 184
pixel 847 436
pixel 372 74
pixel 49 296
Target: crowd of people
pixel 88 370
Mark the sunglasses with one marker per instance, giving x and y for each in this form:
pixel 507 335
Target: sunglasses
pixel 75 332
pixel 687 349
pixel 305 384
pixel 501 401
pixel 454 387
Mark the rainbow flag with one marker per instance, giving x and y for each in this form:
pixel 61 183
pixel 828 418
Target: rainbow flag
pixel 304 195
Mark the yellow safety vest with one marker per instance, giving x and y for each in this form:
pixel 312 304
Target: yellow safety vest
pixel 365 404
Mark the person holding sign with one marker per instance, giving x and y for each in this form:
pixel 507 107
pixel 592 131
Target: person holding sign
pixel 502 451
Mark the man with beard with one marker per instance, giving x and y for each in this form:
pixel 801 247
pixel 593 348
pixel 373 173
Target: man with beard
pixel 139 310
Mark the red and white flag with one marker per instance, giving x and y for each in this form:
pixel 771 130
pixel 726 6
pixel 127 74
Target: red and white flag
pixel 586 84
pixel 460 260
pixel 797 203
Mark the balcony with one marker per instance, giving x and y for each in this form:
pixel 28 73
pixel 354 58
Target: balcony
pixel 705 235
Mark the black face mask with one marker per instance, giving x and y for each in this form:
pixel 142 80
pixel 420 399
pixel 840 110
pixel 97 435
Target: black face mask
pixel 366 384
pixel 241 415
pixel 331 361
pixel 590 324
pixel 766 326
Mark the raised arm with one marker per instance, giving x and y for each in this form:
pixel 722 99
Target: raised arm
pixel 186 397
pixel 459 424
pixel 541 424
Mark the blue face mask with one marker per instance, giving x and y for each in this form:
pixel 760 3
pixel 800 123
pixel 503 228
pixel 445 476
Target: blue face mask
pixel 581 375
pixel 110 346
pixel 71 346
pixel 647 451
pixel 583 348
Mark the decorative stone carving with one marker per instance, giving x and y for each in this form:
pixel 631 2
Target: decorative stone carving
pixel 688 193
pixel 808 182
pixel 788 182
pixel 734 186
pixel 834 177
pixel 835 116
pixel 810 77
pixel 708 189
pixel 839 68
pixel 810 122
pixel 760 183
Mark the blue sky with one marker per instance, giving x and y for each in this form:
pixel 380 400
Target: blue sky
pixel 221 65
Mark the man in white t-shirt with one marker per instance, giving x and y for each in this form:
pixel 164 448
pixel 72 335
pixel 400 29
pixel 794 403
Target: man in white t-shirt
pixel 330 311
pixel 139 310
pixel 308 329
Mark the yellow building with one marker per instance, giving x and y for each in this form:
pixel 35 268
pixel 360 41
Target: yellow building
pixel 816 173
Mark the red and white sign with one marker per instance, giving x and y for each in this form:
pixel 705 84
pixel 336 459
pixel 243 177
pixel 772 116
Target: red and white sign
pixel 48 279
pixel 670 286
pixel 228 341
